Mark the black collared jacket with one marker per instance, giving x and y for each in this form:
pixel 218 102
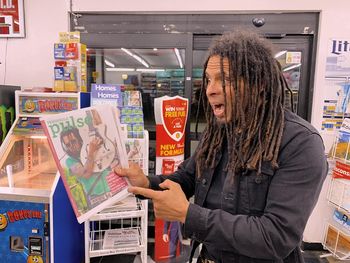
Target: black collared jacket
pixel 262 218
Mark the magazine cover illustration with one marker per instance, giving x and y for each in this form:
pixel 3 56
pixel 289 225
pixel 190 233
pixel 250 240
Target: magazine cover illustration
pixel 134 150
pixel 86 145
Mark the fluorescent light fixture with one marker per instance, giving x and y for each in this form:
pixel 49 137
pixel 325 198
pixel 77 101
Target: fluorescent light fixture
pixel 155 49
pixel 281 53
pixel 127 51
pixel 177 53
pixel 120 69
pixel 291 67
pixel 109 64
pixel 150 69
pixel 138 58
pixel 38 137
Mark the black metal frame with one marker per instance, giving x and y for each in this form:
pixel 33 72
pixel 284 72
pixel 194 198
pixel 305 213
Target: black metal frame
pixel 190 31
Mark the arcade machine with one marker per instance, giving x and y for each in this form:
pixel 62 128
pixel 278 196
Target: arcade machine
pixel 7 109
pixel 37 222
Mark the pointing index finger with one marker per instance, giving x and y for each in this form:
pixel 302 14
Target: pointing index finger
pixel 148 193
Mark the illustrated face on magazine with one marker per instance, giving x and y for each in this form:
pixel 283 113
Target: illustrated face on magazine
pixel 72 145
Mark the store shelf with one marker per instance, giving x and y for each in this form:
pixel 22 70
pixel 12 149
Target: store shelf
pixel 107 252
pixel 97 239
pixel 119 214
pixel 123 221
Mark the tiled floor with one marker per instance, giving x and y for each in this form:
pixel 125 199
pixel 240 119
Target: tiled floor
pixel 314 257
pixel 309 257
pixel 321 256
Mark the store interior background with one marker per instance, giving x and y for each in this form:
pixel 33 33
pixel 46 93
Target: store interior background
pixel 28 62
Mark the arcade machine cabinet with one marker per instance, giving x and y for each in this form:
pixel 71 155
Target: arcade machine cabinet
pixel 37 222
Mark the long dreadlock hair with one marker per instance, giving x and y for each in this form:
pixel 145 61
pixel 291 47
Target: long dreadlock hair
pixel 255 131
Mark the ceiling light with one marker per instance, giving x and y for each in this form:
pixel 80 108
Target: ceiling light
pixel 177 53
pixel 281 53
pixel 120 69
pixel 138 58
pixel 291 67
pixel 109 64
pixel 127 51
pixel 155 49
pixel 38 137
pixel 150 69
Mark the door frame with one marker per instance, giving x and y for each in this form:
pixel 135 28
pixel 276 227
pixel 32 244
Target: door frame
pixel 303 31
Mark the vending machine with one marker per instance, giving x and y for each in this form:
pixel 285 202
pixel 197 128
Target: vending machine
pixel 37 222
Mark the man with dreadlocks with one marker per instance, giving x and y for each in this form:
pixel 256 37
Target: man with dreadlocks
pixel 258 170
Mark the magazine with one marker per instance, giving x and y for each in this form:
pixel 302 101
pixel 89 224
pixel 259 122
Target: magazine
pixel 127 204
pixel 342 145
pixel 86 146
pixel 135 149
pixel 121 237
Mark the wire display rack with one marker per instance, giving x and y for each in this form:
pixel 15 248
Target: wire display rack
pixel 337 229
pixel 122 227
pixel 117 231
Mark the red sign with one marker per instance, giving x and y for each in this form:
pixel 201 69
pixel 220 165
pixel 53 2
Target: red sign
pixel 174 116
pixel 11 18
pixel 171 117
pixel 341 170
pixel 168 166
pixel 23 214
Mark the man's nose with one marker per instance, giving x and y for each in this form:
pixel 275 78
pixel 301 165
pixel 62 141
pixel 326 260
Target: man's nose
pixel 213 88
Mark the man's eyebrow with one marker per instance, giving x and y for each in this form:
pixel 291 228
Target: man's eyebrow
pixel 216 74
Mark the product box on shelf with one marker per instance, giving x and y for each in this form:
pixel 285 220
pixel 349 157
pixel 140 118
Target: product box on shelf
pixel 72 37
pixel 132 114
pixel 59 79
pixel 59 51
pixel 341 219
pixel 72 56
pixel 72 51
pixel 70 79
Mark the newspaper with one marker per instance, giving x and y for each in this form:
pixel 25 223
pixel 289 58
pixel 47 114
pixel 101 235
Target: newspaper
pixel 86 145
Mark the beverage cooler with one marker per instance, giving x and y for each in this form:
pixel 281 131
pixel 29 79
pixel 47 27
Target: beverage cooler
pixel 37 223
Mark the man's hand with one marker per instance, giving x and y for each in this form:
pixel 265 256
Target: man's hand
pixel 170 204
pixel 94 145
pixel 165 238
pixel 135 175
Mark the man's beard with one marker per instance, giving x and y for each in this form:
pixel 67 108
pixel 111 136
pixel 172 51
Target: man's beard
pixel 75 155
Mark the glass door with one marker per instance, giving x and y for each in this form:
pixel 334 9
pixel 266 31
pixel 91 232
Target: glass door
pixel 154 72
pixel 154 64
pixel 293 53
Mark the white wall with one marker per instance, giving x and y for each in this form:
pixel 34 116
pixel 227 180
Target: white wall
pixel 29 61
